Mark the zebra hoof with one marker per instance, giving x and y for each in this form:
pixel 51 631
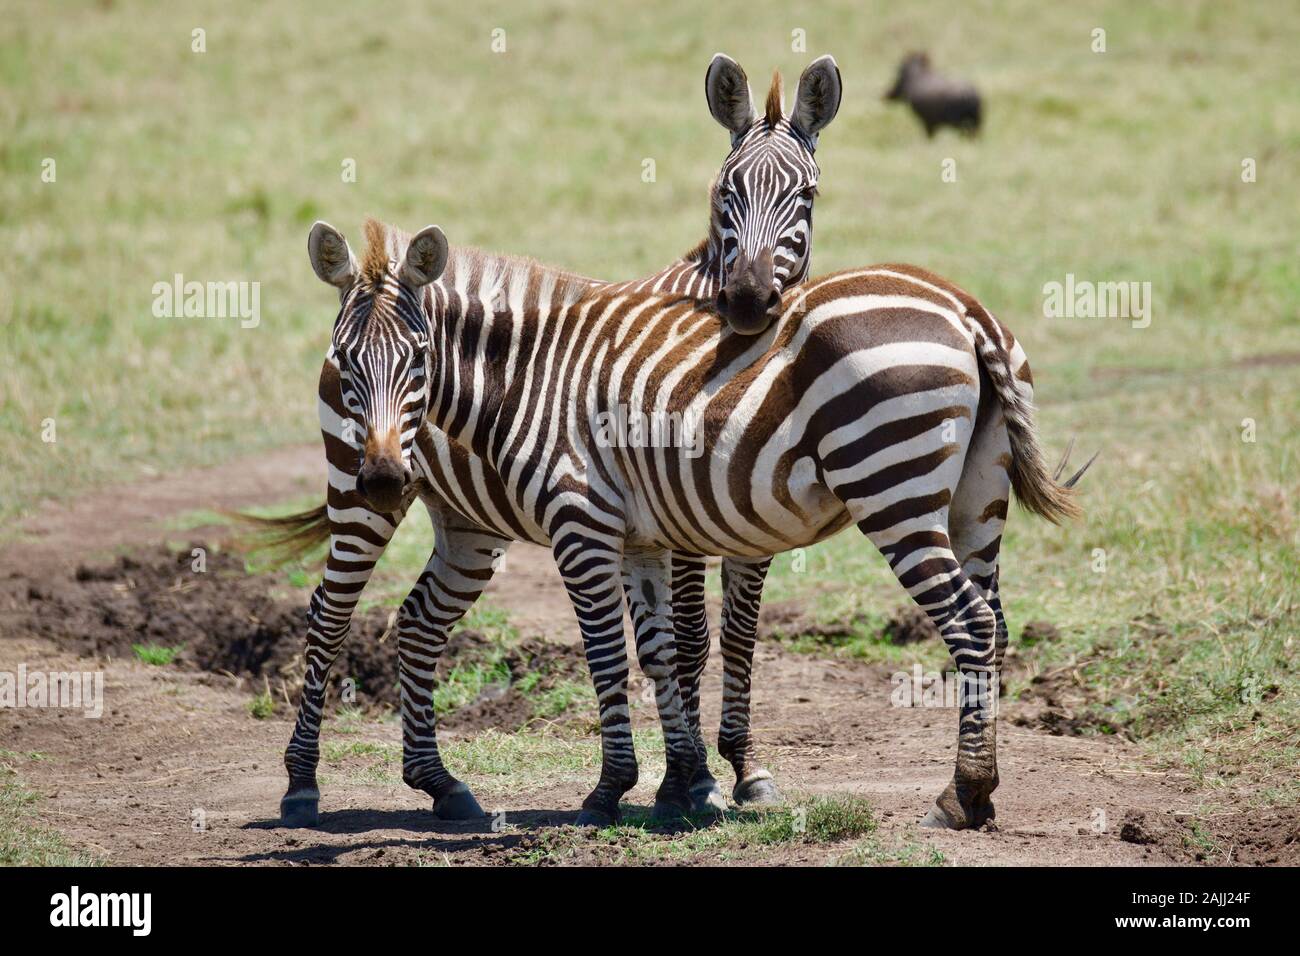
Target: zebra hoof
pixel 936 819
pixel 707 797
pixel 301 809
pixel 952 812
pixel 758 789
pixel 670 811
pixel 457 804
pixel 595 818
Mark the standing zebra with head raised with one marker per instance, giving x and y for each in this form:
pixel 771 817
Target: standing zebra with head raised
pixel 758 245
pixel 884 397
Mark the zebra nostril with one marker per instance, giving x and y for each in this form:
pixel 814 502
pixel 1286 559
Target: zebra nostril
pixel 773 301
pixel 722 301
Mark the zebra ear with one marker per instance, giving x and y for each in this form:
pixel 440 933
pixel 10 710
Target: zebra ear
pixel 818 99
pixel 426 257
pixel 727 89
pixel 330 256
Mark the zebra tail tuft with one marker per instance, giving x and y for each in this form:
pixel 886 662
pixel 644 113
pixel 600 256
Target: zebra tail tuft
pixel 286 538
pixel 1074 478
pixel 1036 486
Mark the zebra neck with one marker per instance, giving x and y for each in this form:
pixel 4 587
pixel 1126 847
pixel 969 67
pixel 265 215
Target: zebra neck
pixel 711 266
pixel 698 273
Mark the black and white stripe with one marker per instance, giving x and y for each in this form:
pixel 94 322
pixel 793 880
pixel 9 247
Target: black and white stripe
pixel 865 403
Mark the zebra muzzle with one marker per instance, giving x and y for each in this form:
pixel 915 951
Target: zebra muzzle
pixel 382 483
pixel 750 301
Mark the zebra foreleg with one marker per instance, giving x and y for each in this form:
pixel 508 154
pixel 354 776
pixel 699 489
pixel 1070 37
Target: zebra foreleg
pixel 646 585
pixel 742 591
pixel 356 544
pixel 461 565
pixel 691 631
pixel 590 569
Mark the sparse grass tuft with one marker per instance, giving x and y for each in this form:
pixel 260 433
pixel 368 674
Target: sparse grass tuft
pixel 873 852
pixel 23 841
pixel 262 706
pixel 464 683
pixel 737 835
pixel 154 654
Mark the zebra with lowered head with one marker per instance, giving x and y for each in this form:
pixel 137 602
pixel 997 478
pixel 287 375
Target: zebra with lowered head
pixel 882 397
pixel 758 245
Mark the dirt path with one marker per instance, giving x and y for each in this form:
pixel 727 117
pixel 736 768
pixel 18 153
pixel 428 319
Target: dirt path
pixel 177 748
pixel 61 535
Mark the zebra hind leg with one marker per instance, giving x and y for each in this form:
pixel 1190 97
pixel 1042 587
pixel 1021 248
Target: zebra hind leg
pixel 976 519
pixel 646 586
pixel 924 563
pixel 691 631
pixel 460 567
pixel 742 589
pixel 354 550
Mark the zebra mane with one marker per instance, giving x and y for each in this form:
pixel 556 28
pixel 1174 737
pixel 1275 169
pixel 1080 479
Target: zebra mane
pixel 387 244
pixel 496 270
pixel 775 110
pixel 701 248
pixel 384 244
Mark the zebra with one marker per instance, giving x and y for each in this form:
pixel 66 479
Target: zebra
pixel 885 397
pixel 758 245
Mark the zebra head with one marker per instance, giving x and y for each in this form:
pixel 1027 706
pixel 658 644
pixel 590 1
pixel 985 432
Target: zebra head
pixel 763 196
pixel 381 345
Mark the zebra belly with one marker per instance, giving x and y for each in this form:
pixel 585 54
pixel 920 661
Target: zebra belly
pixel 672 503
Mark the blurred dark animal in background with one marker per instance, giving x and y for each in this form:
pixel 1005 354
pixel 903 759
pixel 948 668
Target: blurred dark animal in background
pixel 937 100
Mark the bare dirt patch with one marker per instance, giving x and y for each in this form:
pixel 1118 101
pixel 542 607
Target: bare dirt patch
pixel 1060 702
pixel 1262 837
pixel 231 625
pixel 177 743
pixel 788 620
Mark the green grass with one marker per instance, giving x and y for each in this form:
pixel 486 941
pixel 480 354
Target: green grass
pixel 1123 164
pixel 464 683
pixel 1116 166
pixel 261 706
pixel 502 764
pixel 562 698
pixel 737 835
pixel 23 840
pixel 871 851
pixel 155 654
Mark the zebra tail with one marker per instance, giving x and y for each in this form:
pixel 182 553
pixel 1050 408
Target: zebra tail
pixel 290 537
pixel 1035 485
